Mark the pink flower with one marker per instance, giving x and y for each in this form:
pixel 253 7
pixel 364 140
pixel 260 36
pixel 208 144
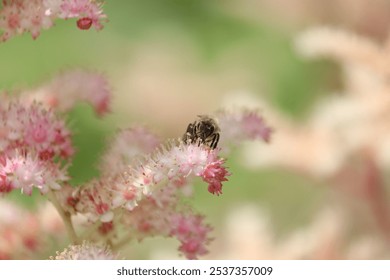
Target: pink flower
pixel 24 171
pixel 170 164
pixel 192 233
pixel 192 248
pixel 33 141
pixel 20 16
pixel 241 125
pixel 214 174
pixel 94 200
pixel 168 218
pixel 31 127
pixel 89 12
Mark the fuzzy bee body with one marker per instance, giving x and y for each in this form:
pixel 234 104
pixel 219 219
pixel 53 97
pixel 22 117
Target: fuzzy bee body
pixel 204 131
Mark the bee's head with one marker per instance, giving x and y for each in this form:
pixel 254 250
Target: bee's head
pixel 207 125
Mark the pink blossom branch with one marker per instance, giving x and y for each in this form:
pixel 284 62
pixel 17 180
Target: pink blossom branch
pixel 344 46
pixel 241 125
pixel 169 164
pixel 127 145
pixel 161 215
pixel 363 179
pixel 65 90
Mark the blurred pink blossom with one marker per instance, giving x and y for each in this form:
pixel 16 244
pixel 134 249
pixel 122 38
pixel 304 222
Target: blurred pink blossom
pixel 328 235
pixel 32 240
pixel 240 125
pixel 128 145
pixel 66 89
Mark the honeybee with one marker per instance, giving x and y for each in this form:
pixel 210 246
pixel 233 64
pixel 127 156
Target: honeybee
pixel 204 130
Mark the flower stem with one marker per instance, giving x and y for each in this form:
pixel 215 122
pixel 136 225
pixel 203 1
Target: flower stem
pixel 65 217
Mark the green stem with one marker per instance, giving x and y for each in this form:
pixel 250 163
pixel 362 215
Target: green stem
pixel 65 217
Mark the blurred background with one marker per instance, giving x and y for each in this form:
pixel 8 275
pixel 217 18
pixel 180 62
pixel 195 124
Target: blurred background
pixel 170 60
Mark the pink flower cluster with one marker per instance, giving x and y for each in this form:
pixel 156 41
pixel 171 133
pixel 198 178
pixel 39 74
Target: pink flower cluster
pixel 144 200
pixel 192 233
pixel 20 16
pixel 25 170
pixel 239 125
pixel 214 174
pixel 125 188
pixel 33 139
pixel 88 12
pixel 173 163
pixel 162 215
pixel 32 127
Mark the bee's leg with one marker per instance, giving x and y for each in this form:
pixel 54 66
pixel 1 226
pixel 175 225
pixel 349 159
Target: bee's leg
pixel 215 140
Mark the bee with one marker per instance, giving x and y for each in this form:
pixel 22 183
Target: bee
pixel 204 130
